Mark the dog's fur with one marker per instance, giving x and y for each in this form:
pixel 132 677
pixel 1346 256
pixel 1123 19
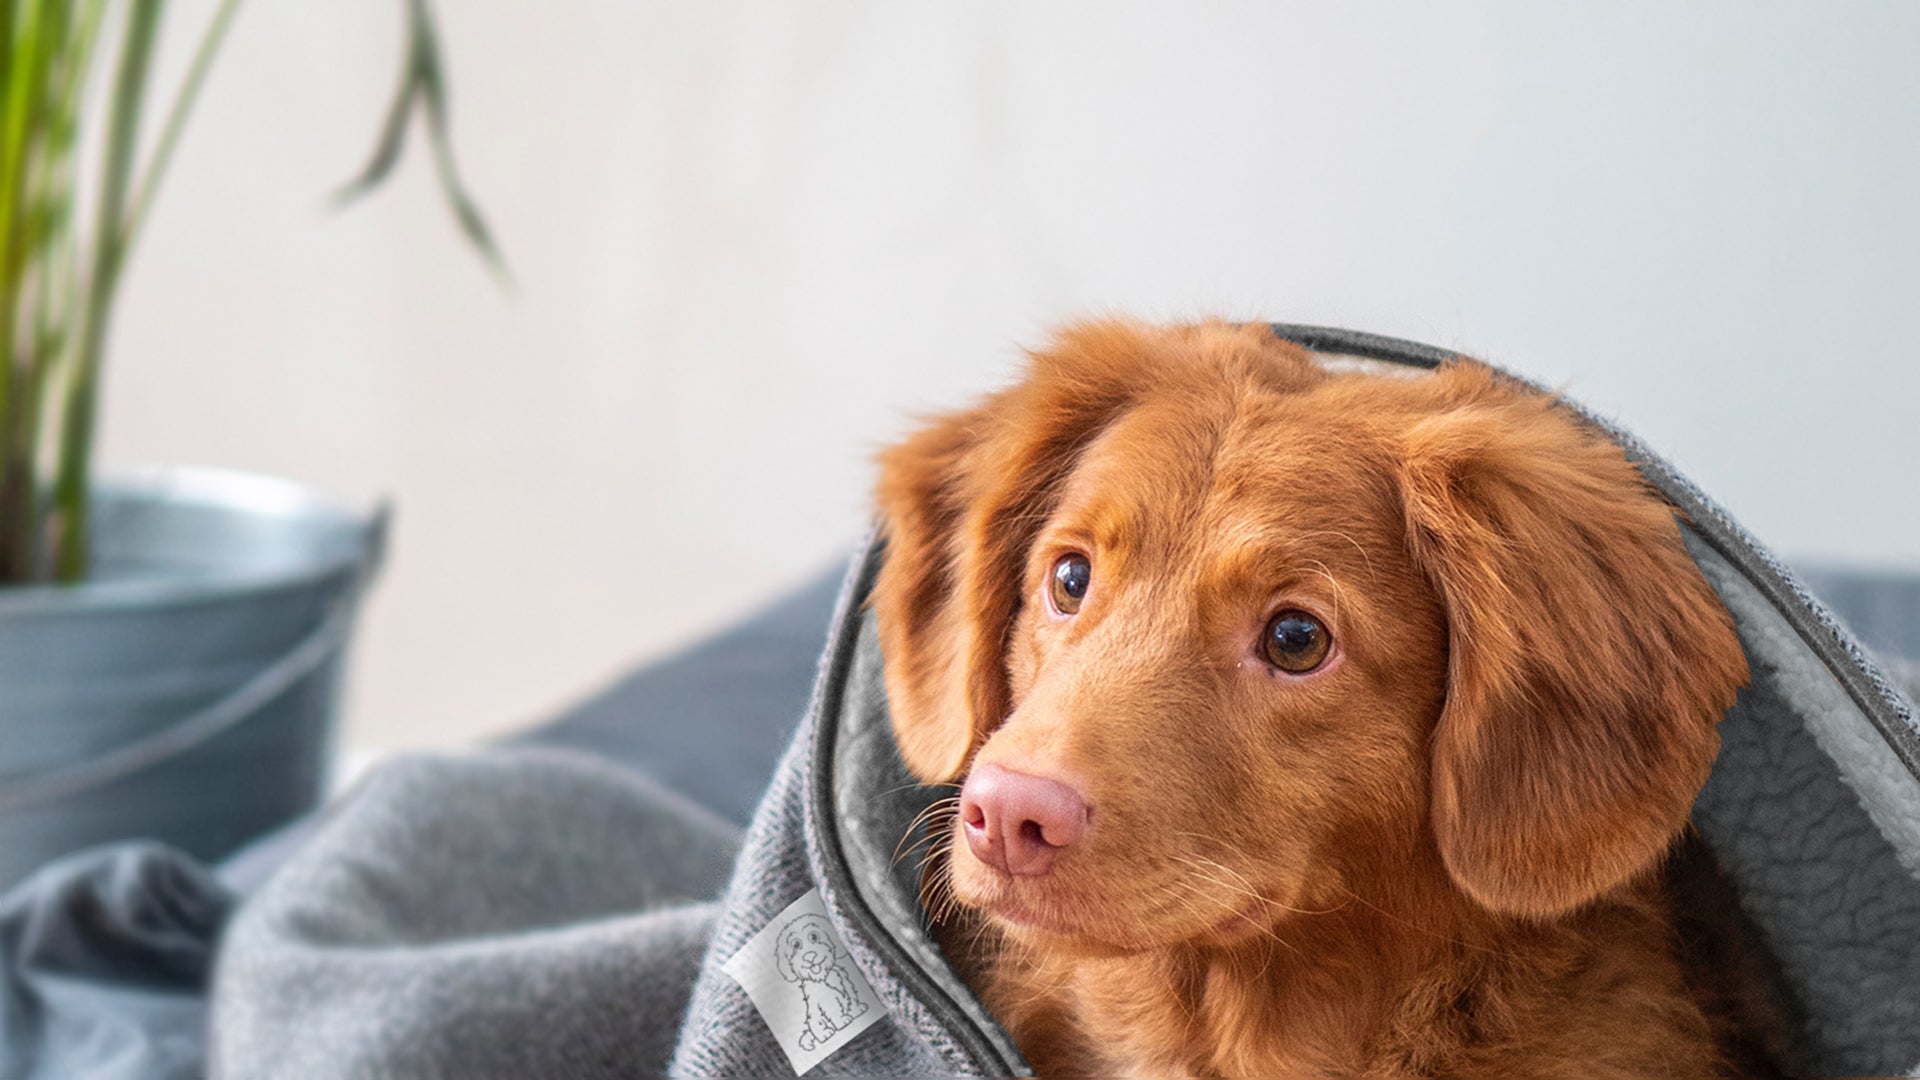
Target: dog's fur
pixel 1438 854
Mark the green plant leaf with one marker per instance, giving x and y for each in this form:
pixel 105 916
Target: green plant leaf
pixel 71 487
pixel 34 45
pixel 423 82
pixel 189 92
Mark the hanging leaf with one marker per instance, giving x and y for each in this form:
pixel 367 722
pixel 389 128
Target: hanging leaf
pixel 423 82
pixel 61 262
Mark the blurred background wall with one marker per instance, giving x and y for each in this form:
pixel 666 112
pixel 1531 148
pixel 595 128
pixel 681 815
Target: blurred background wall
pixel 751 240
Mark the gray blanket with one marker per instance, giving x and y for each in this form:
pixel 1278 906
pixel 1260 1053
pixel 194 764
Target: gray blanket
pixel 302 991
pixel 106 957
pixel 524 912
pixel 509 914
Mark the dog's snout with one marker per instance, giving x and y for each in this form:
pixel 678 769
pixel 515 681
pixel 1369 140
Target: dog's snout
pixel 1018 823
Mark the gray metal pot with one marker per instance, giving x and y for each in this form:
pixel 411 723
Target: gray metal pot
pixel 189 692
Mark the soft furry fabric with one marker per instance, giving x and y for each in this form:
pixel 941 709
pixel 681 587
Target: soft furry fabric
pixel 833 820
pixel 106 956
pixel 1814 818
pixel 1794 813
pixel 511 914
pixel 104 962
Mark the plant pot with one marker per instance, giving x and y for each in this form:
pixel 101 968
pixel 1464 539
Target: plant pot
pixel 189 692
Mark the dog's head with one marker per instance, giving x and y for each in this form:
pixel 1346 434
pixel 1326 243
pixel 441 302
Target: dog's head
pixel 806 949
pixel 1213 634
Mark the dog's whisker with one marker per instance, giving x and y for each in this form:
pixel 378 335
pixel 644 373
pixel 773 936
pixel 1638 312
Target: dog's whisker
pixel 1245 887
pixel 1339 592
pixel 935 825
pixel 911 785
pixel 1211 880
pixel 905 848
pixel 1262 929
pixel 1348 537
pixel 1237 875
pixel 937 852
pixel 1200 836
pixel 934 808
pixel 945 902
pixel 930 816
pixel 935 883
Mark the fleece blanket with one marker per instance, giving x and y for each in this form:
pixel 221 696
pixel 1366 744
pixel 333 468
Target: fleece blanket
pixel 818 957
pixel 106 956
pixel 1796 817
pixel 524 912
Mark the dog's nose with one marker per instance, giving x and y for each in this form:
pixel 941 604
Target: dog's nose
pixel 1017 823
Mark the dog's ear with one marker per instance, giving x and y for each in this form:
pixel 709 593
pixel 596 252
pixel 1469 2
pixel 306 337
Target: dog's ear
pixel 1588 659
pixel 961 502
pixel 783 959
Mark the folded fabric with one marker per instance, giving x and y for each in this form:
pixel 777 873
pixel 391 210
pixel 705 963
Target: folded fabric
pixel 510 914
pixel 528 913
pixel 107 957
pixel 424 934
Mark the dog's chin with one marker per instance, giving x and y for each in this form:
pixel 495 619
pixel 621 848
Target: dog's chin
pixel 1032 908
pixel 1046 912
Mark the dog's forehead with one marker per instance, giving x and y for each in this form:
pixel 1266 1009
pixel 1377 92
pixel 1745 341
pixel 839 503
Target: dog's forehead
pixel 1167 445
pixel 1236 460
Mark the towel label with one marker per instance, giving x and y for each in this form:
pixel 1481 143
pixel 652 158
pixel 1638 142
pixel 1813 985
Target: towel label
pixel 799 976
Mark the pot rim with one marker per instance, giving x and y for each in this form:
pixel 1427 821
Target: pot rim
pixel 257 494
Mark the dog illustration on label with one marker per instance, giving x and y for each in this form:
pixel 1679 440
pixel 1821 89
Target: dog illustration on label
pixel 810 955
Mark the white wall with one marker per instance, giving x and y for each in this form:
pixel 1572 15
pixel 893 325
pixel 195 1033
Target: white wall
pixel 751 239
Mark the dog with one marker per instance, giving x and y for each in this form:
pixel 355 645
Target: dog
pixel 1305 722
pixel 809 955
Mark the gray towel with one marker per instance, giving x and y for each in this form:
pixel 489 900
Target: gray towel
pixel 522 913
pixel 516 914
pixel 104 956
pixel 527 914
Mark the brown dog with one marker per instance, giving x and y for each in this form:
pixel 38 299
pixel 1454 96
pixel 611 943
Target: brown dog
pixel 1311 723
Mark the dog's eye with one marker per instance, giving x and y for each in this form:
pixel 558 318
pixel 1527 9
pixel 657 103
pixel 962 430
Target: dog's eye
pixel 1067 585
pixel 1295 641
